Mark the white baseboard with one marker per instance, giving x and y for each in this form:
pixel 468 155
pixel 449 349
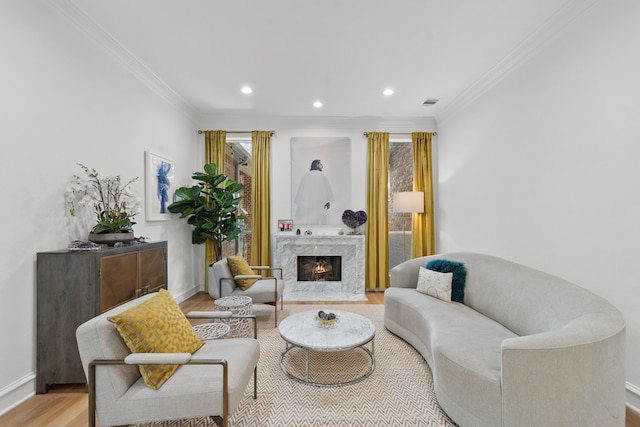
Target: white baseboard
pixel 188 294
pixel 633 396
pixel 17 392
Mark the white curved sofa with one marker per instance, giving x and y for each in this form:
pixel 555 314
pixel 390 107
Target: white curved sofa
pixel 525 349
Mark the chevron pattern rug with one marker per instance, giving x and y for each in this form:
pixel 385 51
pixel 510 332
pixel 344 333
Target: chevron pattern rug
pixel 398 393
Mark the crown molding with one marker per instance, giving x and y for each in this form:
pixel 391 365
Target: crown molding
pixel 121 54
pixel 368 123
pixel 521 54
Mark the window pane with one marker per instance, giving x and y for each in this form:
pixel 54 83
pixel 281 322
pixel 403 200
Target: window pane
pixel 237 166
pixel 400 179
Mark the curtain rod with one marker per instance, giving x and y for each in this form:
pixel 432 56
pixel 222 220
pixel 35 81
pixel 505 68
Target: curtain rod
pixel 237 131
pixel 402 133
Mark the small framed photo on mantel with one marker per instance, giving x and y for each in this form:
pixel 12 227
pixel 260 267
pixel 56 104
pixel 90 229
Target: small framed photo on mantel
pixel 285 226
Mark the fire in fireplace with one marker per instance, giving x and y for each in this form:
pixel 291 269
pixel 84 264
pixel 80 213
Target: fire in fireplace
pixel 319 268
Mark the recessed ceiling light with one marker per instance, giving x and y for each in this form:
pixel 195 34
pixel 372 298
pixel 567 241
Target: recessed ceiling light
pixel 387 92
pixel 317 104
pixel 246 90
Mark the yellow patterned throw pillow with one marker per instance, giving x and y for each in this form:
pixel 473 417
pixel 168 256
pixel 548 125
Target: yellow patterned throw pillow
pixel 157 325
pixel 239 266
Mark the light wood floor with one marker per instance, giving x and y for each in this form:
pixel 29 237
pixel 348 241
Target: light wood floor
pixel 66 406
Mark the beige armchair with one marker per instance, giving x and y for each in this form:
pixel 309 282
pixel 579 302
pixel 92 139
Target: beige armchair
pixel 209 383
pixel 267 290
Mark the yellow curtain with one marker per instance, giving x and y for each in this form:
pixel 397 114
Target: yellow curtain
pixel 377 229
pixel 423 240
pixel 260 198
pixel 214 146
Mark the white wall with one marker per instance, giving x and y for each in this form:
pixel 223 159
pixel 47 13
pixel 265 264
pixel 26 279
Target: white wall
pixel 64 100
pixel 543 169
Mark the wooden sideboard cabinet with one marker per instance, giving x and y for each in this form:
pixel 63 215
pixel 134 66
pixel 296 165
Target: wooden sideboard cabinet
pixel 73 287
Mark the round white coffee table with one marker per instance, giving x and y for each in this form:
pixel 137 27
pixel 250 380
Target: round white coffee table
pixel 302 330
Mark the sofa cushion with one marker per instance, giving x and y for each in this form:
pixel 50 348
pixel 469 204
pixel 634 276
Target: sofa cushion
pixel 435 284
pixel 462 347
pixel 156 325
pixel 459 275
pixel 467 358
pixel 264 290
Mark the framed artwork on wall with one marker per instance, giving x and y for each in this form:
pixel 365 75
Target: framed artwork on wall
pixel 159 187
pixel 320 179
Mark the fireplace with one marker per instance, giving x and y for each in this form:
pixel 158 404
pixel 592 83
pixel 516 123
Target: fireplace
pixel 319 268
pixel 303 259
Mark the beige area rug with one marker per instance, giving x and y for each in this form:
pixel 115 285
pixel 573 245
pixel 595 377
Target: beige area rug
pixel 398 393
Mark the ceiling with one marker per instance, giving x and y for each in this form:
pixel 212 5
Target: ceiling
pixel 341 52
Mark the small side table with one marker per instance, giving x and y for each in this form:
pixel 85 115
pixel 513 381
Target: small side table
pixel 237 305
pixel 211 331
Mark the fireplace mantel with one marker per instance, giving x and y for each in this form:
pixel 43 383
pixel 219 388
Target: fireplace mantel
pixel 349 247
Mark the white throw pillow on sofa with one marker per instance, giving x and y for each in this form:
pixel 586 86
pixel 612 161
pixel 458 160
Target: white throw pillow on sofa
pixel 435 284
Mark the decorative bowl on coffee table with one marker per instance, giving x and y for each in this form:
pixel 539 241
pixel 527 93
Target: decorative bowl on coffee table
pixel 326 320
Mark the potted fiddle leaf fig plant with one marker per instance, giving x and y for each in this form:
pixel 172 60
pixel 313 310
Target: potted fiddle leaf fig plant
pixel 210 207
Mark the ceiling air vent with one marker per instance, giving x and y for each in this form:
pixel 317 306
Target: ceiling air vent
pixel 429 102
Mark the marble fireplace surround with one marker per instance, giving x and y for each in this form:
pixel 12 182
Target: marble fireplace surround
pixel 349 247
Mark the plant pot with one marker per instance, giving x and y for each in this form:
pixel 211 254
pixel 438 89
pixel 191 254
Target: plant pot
pixel 111 239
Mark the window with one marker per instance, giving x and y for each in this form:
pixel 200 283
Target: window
pixel 237 166
pixel 400 179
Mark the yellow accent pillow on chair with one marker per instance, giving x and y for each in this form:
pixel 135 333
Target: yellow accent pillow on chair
pixel 157 325
pixel 239 266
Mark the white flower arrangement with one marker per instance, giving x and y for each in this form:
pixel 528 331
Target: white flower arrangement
pixel 113 205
